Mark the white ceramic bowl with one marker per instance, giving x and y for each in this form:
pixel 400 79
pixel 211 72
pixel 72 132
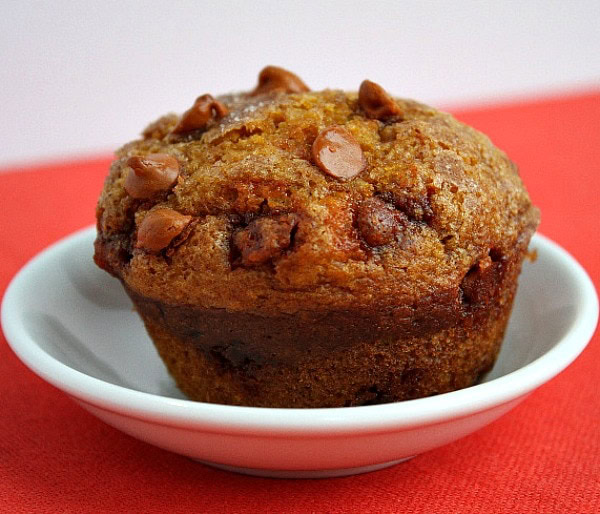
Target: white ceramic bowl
pixel 73 325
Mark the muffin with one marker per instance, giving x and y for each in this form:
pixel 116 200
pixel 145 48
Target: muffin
pixel 290 248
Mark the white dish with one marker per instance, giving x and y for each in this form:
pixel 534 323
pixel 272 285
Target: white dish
pixel 73 325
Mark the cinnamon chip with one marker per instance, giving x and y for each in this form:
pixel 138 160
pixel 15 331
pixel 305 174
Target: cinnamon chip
pixel 205 109
pixel 376 102
pixel 265 239
pixel 338 154
pixel 151 174
pixel 159 227
pixel 273 79
pixel 379 222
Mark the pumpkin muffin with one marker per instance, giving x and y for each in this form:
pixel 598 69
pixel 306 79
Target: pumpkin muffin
pixel 290 248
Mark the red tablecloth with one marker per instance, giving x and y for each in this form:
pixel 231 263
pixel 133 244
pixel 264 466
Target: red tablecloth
pixel 542 457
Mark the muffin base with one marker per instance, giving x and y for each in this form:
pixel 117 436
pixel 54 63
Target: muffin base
pixel 440 343
pixel 233 358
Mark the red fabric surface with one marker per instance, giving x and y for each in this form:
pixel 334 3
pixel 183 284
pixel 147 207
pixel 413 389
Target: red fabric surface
pixel 544 456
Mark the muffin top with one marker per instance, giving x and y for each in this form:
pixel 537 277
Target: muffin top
pixel 283 199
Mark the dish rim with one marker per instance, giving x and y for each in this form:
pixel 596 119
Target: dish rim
pixel 316 421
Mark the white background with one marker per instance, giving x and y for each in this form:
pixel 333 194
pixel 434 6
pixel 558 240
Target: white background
pixel 81 77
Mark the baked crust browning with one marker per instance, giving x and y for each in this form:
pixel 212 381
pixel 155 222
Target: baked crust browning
pixel 336 358
pixel 313 360
pixel 346 248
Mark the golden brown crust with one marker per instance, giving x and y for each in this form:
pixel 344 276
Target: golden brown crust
pixel 338 358
pixel 462 196
pixel 318 360
pixel 292 285
pixel 370 372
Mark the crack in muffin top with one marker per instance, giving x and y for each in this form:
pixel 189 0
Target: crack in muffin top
pixel 302 200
